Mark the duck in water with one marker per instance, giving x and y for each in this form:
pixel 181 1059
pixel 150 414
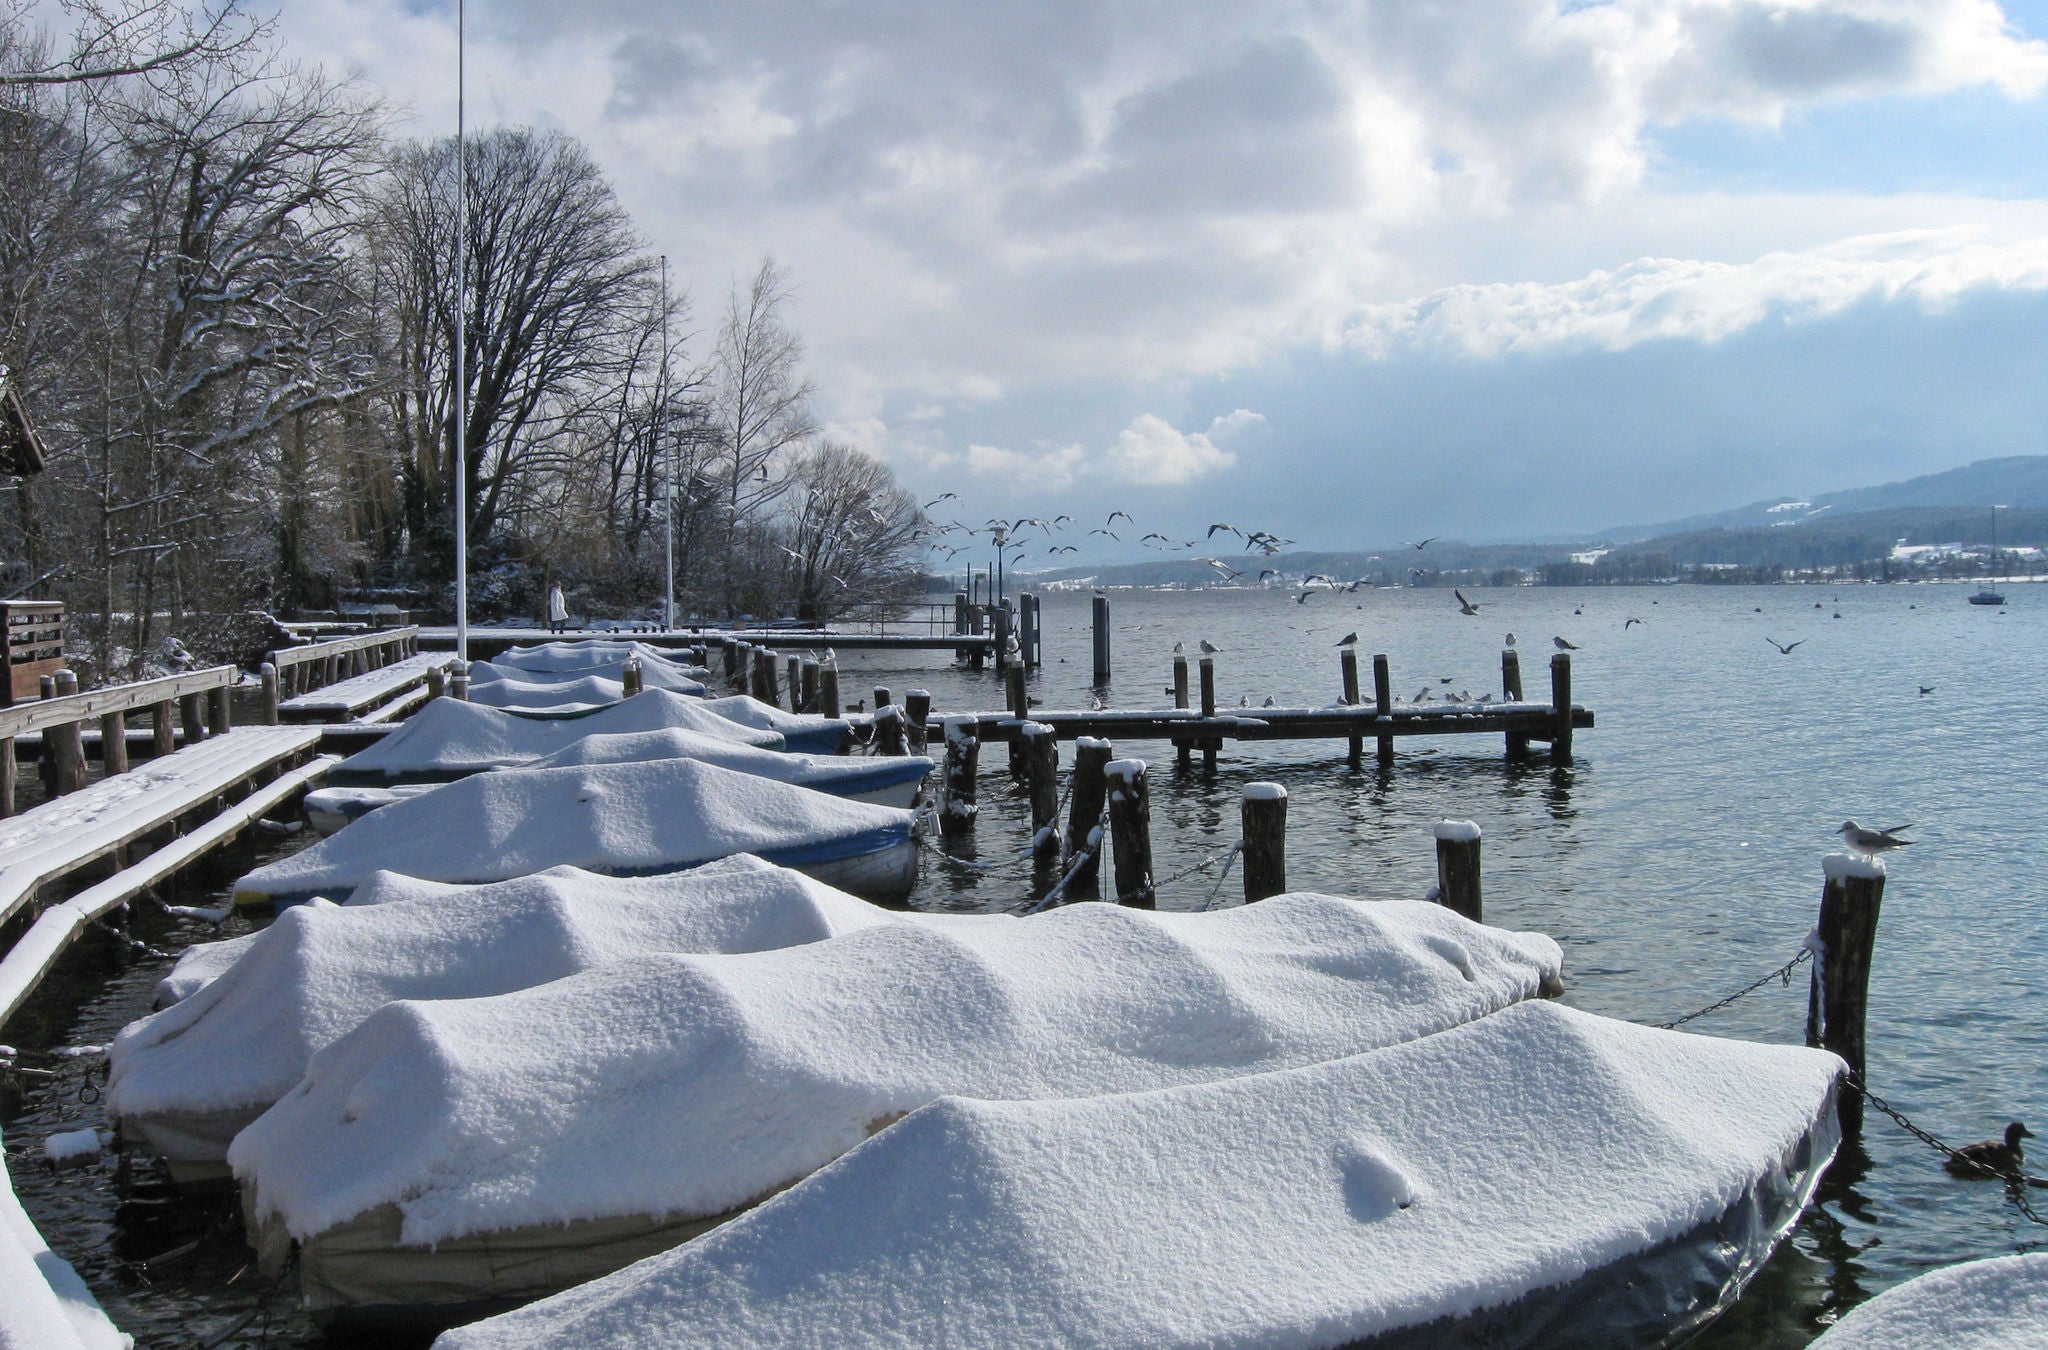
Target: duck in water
pixel 1992 1157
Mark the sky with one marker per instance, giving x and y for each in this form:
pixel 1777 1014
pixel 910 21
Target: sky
pixel 1348 272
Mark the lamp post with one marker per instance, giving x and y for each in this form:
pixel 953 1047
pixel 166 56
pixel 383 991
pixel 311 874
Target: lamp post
pixel 668 466
pixel 461 341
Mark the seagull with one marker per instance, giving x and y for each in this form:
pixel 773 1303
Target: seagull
pixel 1304 597
pixel 1926 689
pixel 1509 641
pixel 1114 514
pixel 1465 607
pixel 1423 543
pixel 1992 1157
pixel 1179 648
pixel 1095 703
pixel 942 497
pixel 1244 700
pixel 1268 703
pixel 1629 623
pixel 1870 843
pixel 1564 646
pixel 1348 640
pixel 1784 648
pixel 1208 648
pixel 1111 533
pixel 1220 526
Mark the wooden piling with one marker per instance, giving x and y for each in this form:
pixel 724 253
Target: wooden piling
pixel 113 743
pixel 1348 662
pixel 729 653
pixel 437 682
pixel 630 677
pixel 267 673
pixel 1130 831
pixel 1383 702
pixel 883 698
pixel 1092 755
pixel 959 613
pixel 1511 692
pixel 807 682
pixel 1264 816
pixel 1561 708
pixel 1849 904
pixel 66 743
pixel 458 681
pixel 1209 743
pixel 1042 773
pixel 793 669
pixel 189 720
pixel 8 770
pixel 219 712
pixel 1101 635
pixel 889 737
pixel 1031 628
pixel 828 690
pixel 163 726
pixel 771 683
pixel 1457 867
pixel 1003 629
pixel 977 655
pixel 917 710
pixel 1020 708
pixel 1182 750
pixel 957 812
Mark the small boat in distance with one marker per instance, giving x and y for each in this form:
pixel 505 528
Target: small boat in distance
pixel 1987 594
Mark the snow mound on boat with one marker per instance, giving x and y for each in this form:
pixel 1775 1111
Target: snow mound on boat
pixel 1999 1304
pixel 733 1075
pixel 1305 1208
pixel 620 819
pixel 805 731
pixel 655 673
pixel 449 738
pixel 314 974
pixel 555 658
pixel 826 772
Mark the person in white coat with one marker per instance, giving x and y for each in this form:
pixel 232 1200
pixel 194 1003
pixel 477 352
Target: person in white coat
pixel 558 608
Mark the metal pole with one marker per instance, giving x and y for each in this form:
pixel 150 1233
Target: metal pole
pixel 668 572
pixel 461 341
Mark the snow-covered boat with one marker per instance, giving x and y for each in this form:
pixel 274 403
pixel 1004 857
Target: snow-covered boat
pixel 883 780
pixel 555 658
pixel 449 739
pixel 1538 1177
pixel 185 1079
pixel 806 733
pixel 663 815
pixel 457 1152
pixel 1997 1304
pixel 655 673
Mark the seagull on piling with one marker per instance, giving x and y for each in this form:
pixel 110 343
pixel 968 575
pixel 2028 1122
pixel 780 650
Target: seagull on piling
pixel 1508 641
pixel 1465 607
pixel 1179 648
pixel 1208 648
pixel 1870 843
pixel 1348 640
pixel 1784 648
pixel 1564 646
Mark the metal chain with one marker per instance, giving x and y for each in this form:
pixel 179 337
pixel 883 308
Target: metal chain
pixel 2018 1181
pixel 1204 865
pixel 1783 974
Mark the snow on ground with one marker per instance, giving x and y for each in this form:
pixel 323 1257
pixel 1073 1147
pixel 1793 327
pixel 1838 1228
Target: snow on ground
pixel 449 738
pixel 2000 1304
pixel 752 712
pixel 618 818
pixel 243 1040
pixel 733 1075
pixel 1303 1208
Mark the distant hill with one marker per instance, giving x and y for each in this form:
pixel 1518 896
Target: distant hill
pixel 2017 481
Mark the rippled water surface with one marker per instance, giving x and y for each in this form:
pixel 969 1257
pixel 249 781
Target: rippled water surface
pixel 1676 858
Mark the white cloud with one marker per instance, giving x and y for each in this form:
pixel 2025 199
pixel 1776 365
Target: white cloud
pixel 1046 470
pixel 1664 298
pixel 1153 452
pixel 1241 422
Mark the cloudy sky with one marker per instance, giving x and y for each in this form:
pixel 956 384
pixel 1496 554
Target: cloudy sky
pixel 1350 271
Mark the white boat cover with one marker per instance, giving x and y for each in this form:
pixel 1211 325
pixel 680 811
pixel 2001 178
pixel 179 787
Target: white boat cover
pixel 542 695
pixel 836 774
pixel 1999 1304
pixel 451 739
pixel 734 1075
pixel 242 1041
pixel 622 819
pixel 554 658
pixel 655 673
pixel 1403 1189
pixel 803 731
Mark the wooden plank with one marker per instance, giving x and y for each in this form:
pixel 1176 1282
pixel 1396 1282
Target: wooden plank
pixel 1280 724
pixel 24 966
pixel 53 712
pixel 345 699
pixel 285 657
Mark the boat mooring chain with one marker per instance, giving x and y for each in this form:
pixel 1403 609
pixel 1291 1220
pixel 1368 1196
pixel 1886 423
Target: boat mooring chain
pixel 1783 974
pixel 2017 1182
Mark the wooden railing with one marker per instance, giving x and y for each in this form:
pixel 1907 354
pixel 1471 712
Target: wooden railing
pixel 300 670
pixel 195 702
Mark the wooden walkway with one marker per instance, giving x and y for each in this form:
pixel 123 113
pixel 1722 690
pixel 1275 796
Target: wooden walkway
pixel 485 643
pixel 378 695
pixel 1536 721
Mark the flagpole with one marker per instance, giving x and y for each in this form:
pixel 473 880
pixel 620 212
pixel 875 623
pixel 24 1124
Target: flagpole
pixel 668 462
pixel 461 342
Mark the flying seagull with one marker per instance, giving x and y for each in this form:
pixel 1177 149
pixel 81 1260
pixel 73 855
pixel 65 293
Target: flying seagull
pixel 1564 646
pixel 1870 843
pixel 1465 607
pixel 1304 597
pixel 1627 624
pixel 1784 648
pixel 942 497
pixel 1425 543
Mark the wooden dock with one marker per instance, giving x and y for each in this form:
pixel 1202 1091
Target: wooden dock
pixel 485 643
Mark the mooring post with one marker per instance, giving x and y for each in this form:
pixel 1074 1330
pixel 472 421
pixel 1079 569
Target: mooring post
pixel 1561 707
pixel 882 697
pixel 959 613
pixel 828 690
pixel 1000 629
pixel 1032 619
pixel 793 666
pixel 1092 755
pixel 1457 867
pixel 771 682
pixel 917 707
pixel 889 737
pixel 1348 661
pixel 189 719
pixel 267 673
pixel 9 768
pixel 1847 934
pixel 1042 772
pixel 808 683
pixel 1182 749
pixel 437 682
pixel 1101 644
pixel 977 655
pixel 65 743
pixel 113 743
pixel 630 676
pixel 729 655
pixel 458 680
pixel 1511 692
pixel 1383 705
pixel 1209 740
pixel 163 726
pixel 1264 814
pixel 956 815
pixel 1130 831
pixel 218 711
pixel 1020 709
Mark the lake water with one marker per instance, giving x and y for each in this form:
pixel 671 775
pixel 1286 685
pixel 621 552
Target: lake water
pixel 1676 858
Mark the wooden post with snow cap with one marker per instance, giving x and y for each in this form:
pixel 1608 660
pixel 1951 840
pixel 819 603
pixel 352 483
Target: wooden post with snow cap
pixel 1042 773
pixel 1561 708
pixel 1209 743
pixel 828 690
pixel 458 681
pixel 771 680
pixel 1092 755
pixel 889 737
pixel 630 676
pixel 1457 867
pixel 807 681
pixel 917 707
pixel 1100 649
pixel 959 613
pixel 793 667
pixel 1511 692
pixel 66 743
pixel 1001 630
pixel 437 682
pixel 1130 831
pixel 882 697
pixel 1348 660
pixel 1265 840
pixel 9 770
pixel 1181 749
pixel 1383 704
pixel 1846 936
pixel 1020 709
pixel 267 672
pixel 957 812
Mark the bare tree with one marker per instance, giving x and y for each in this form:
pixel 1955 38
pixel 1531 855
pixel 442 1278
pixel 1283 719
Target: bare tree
pixel 854 536
pixel 111 39
pixel 759 407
